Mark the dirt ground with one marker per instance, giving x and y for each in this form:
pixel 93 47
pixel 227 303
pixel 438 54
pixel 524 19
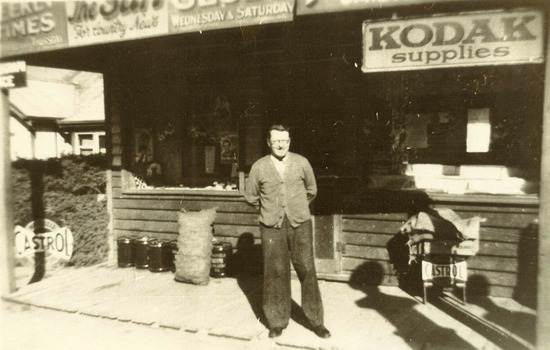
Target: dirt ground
pixel 24 327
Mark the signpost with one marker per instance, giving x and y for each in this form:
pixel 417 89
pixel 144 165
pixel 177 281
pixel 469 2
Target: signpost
pixel 13 74
pixel 7 263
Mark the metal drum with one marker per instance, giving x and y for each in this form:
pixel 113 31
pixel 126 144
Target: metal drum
pixel 125 252
pixel 221 253
pixel 174 249
pixel 141 257
pixel 160 256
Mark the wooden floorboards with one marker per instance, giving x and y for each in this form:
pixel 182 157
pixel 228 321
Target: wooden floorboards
pixel 368 318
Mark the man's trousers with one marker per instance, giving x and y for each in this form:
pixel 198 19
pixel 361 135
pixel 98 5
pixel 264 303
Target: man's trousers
pixel 280 246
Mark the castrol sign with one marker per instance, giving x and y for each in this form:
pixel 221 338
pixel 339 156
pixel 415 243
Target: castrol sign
pixel 55 241
pixel 467 39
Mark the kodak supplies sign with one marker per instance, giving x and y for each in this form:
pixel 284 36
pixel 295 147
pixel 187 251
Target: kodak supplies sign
pixel 469 39
pixel 32 26
pixel 199 15
pixel 91 22
pixel 57 241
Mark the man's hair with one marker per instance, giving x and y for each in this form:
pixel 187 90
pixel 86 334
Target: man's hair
pixel 278 127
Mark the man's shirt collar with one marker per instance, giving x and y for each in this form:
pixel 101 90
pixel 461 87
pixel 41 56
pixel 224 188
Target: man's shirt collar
pixel 275 159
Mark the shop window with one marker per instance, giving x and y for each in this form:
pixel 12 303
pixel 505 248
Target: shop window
pixel 460 131
pixel 191 147
pixel 457 152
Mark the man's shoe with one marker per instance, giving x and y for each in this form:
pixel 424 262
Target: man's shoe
pixel 321 331
pixel 275 332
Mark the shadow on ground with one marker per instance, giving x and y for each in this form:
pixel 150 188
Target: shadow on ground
pixel 415 328
pixel 246 266
pixel 516 324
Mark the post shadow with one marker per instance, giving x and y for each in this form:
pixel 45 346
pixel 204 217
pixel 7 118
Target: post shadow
pixel 525 291
pixel 410 324
pixel 246 266
pixel 36 171
pixel 519 323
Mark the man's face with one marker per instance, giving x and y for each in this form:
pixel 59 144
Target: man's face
pixel 279 143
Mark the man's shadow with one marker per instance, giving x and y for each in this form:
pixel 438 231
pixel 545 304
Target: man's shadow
pixel 246 266
pixel 409 274
pixel 400 312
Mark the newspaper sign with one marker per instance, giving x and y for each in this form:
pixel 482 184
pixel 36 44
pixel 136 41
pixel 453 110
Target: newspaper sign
pixel 199 15
pixel 32 26
pixel 468 39
pixel 91 22
pixel 457 271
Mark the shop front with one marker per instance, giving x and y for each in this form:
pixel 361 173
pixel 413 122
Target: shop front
pixel 399 106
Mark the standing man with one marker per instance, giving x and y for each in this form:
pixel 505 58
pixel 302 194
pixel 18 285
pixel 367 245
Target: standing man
pixel 282 185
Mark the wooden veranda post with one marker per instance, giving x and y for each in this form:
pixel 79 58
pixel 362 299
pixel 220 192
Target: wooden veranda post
pixel 543 280
pixel 7 234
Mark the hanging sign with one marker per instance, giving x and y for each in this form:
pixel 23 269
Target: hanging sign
pixel 32 26
pixel 91 22
pixel 468 39
pixel 56 241
pixel 308 7
pixel 13 74
pixel 199 15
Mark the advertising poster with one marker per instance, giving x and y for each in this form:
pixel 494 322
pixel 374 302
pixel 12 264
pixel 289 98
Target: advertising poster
pixel 91 22
pixel 229 146
pixel 195 15
pixel 32 26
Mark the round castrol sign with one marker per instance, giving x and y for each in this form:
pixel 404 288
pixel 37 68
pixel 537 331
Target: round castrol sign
pixel 44 236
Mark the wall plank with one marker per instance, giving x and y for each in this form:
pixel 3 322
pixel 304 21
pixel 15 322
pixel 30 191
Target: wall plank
pixel 481 263
pixel 401 217
pixel 236 231
pixel 143 233
pixel 149 226
pixel 498 249
pixel 499 219
pixel 222 205
pixel 368 239
pixel 172 216
pixel 375 253
pixel 354 225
